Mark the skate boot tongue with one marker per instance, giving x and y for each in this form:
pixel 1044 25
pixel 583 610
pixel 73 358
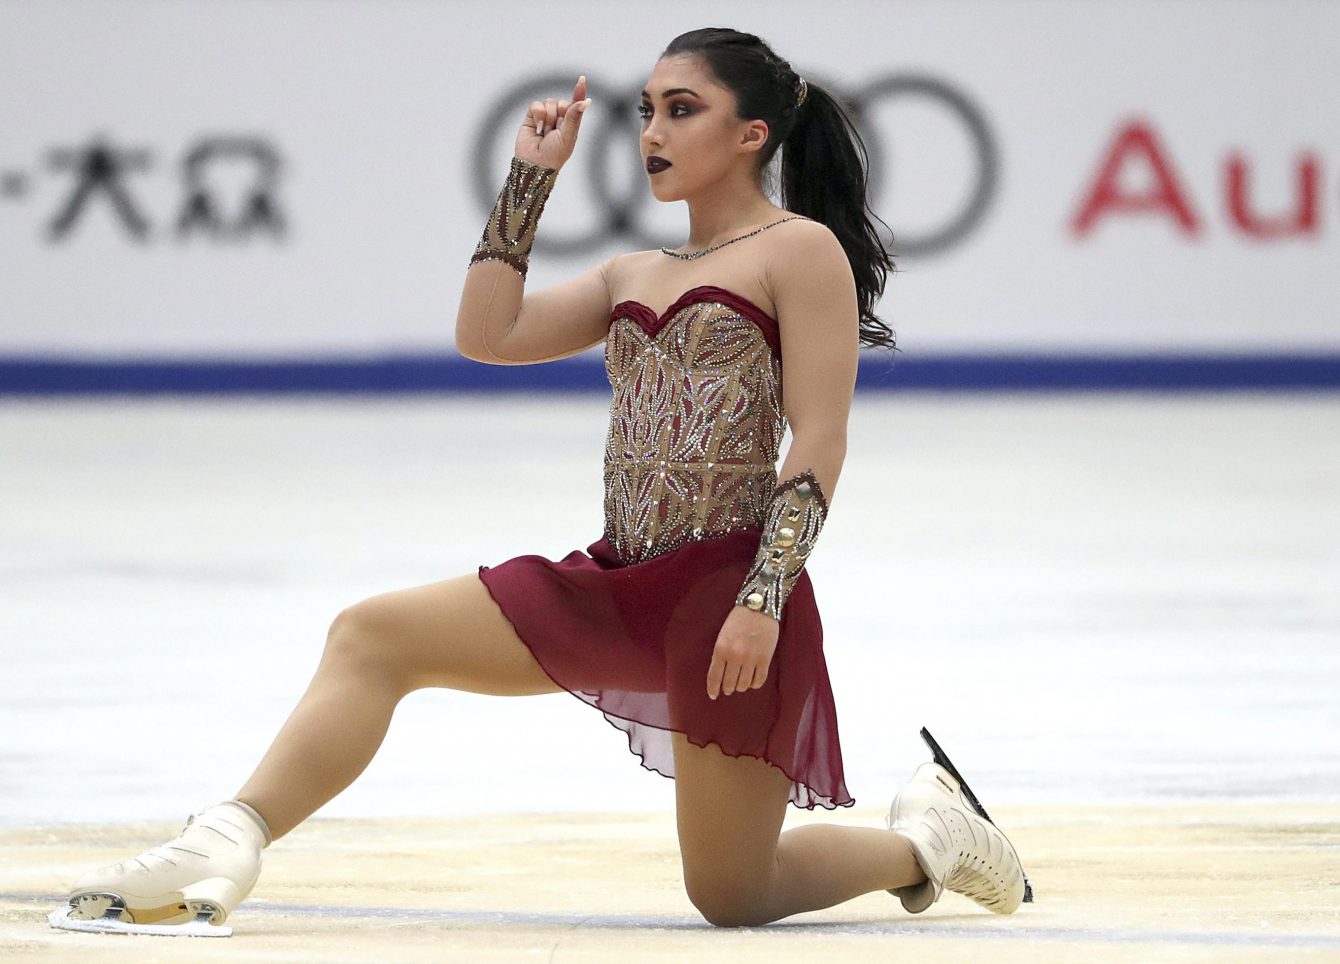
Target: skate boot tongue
pixel 232 819
pixel 917 897
pixel 252 813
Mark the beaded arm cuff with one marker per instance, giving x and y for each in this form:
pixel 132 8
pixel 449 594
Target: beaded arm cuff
pixel 793 523
pixel 511 229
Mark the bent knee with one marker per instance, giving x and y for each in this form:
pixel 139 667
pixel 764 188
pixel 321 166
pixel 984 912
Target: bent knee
pixel 358 634
pixel 350 627
pixel 726 906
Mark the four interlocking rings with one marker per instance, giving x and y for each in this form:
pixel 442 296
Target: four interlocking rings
pixel 608 157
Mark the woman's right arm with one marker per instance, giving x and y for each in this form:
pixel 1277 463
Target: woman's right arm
pixel 498 326
pixel 497 323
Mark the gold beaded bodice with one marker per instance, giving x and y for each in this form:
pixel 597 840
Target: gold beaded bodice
pixel 696 421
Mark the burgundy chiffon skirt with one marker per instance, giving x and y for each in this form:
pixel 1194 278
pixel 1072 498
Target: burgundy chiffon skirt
pixel 635 641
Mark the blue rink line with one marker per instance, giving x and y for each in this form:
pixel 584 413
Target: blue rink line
pixel 990 928
pixel 421 373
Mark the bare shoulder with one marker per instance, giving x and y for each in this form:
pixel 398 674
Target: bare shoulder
pixel 805 253
pixel 808 228
pixel 642 259
pixel 631 260
pixel 625 266
pixel 804 238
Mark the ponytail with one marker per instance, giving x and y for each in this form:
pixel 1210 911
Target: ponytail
pixel 824 165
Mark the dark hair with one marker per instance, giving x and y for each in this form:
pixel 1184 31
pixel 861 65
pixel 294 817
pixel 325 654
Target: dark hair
pixel 824 160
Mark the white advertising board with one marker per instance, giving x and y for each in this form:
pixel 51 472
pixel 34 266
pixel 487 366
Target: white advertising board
pixel 302 179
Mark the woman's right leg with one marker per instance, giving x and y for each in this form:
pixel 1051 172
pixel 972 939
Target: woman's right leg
pixel 445 634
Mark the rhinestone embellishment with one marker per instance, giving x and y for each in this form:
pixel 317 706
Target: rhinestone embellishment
pixel 783 549
pixel 693 255
pixel 694 430
pixel 509 234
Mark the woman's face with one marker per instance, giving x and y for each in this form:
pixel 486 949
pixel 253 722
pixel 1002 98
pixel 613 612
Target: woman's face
pixel 689 119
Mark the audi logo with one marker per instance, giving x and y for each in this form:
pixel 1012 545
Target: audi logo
pixel 609 160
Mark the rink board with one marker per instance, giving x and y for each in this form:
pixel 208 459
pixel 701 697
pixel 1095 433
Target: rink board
pixel 1184 882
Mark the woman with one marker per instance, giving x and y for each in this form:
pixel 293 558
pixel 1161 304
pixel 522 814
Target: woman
pixel 691 623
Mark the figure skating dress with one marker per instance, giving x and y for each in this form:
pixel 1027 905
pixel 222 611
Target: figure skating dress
pixel 629 626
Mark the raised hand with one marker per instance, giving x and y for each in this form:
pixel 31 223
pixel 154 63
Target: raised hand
pixel 549 132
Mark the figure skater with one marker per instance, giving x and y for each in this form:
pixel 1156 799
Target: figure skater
pixel 691 623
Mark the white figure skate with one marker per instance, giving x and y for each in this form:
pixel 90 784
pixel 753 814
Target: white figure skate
pixel 957 845
pixel 186 887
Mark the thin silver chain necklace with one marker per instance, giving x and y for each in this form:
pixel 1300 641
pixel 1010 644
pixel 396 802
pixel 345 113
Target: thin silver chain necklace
pixel 699 254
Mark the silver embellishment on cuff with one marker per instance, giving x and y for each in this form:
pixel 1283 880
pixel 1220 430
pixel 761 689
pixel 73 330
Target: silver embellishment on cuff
pixel 794 520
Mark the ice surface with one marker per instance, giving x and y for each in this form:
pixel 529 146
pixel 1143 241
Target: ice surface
pixel 1085 597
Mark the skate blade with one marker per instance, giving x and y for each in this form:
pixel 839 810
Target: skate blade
pixel 939 756
pixel 200 927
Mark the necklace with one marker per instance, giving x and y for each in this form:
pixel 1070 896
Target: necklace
pixel 699 254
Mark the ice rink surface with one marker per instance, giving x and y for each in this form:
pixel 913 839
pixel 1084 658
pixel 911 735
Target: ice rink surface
pixel 1088 598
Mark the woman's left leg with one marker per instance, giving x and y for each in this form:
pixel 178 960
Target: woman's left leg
pixel 740 870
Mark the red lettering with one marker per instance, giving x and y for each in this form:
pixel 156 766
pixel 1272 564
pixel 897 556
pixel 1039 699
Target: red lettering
pixel 1302 221
pixel 1136 141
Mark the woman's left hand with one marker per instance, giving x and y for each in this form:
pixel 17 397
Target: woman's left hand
pixel 743 652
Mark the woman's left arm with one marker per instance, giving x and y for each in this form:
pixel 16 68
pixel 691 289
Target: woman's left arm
pixel 818 314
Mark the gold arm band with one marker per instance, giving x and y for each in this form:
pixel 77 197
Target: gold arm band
pixel 794 520
pixel 510 233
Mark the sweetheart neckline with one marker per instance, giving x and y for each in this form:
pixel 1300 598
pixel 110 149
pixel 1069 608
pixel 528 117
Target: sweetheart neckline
pixel 653 324
pixel 688 298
